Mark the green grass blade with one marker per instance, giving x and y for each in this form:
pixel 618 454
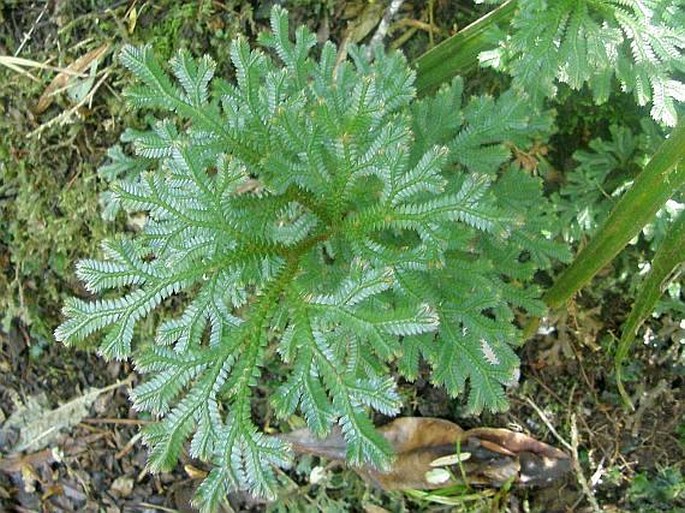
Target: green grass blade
pixel 459 53
pixel 667 260
pixel 657 182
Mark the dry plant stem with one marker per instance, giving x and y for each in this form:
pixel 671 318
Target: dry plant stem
pixel 17 69
pixel 582 481
pixel 20 61
pixel 384 25
pixel 156 507
pixel 406 36
pixel 17 64
pixel 129 446
pixel 647 400
pixel 127 422
pixel 573 448
pixel 549 425
pixel 418 24
pixel 27 35
pixel 431 22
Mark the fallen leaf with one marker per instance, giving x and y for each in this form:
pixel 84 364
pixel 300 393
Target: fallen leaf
pixel 16 463
pixel 194 472
pixel 317 474
pixel 30 478
pixel 64 77
pixel 362 24
pixel 38 427
pixel 437 476
pixel 433 453
pixel 452 459
pixel 372 508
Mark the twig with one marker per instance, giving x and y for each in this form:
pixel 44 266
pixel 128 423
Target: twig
pixel 127 422
pixel 417 24
pixel 128 447
pixel 647 400
pixel 431 23
pixel 18 63
pixel 157 507
pixel 27 35
pixel 64 116
pixel 384 25
pixel 582 481
pixel 549 425
pixel 573 449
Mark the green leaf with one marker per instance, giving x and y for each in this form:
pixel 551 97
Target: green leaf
pixel 194 76
pixel 158 90
pixel 657 182
pixel 666 262
pixel 589 42
pixel 364 443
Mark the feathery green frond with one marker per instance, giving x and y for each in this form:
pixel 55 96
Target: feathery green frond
pixel 314 212
pixel 577 42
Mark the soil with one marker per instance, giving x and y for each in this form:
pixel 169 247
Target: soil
pixel 99 463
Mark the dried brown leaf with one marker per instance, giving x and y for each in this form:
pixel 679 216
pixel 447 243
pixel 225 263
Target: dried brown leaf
pixel 484 456
pixel 64 77
pixel 39 426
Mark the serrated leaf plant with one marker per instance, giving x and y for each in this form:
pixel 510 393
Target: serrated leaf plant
pixel 638 43
pixel 316 216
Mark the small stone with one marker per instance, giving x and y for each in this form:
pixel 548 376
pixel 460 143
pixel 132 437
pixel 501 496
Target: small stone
pixel 122 486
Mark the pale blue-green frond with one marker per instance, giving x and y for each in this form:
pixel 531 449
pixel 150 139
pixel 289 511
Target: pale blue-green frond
pixel 462 356
pixel 157 91
pixel 193 75
pixel 312 211
pixel 589 42
pixel 293 54
pixel 364 282
pixel 364 443
pixel 213 490
pixel 425 176
pixel 171 375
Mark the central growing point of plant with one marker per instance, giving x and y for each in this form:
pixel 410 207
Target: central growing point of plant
pixel 316 213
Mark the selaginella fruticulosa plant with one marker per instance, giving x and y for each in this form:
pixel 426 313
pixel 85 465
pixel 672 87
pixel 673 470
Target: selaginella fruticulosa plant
pixel 315 216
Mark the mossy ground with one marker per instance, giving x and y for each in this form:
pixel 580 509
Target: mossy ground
pixel 50 217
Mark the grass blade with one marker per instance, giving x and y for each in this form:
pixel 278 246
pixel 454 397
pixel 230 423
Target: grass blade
pixel 657 182
pixel 459 53
pixel 666 262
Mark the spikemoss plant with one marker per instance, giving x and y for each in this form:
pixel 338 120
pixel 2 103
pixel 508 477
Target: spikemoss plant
pixel 637 43
pixel 319 210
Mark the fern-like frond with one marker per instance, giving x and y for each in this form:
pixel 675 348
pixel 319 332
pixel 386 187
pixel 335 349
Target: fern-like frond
pixel 311 217
pixel 641 44
pixel 157 90
pixel 194 76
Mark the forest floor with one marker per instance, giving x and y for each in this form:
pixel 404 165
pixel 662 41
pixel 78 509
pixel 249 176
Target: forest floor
pixel 69 439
